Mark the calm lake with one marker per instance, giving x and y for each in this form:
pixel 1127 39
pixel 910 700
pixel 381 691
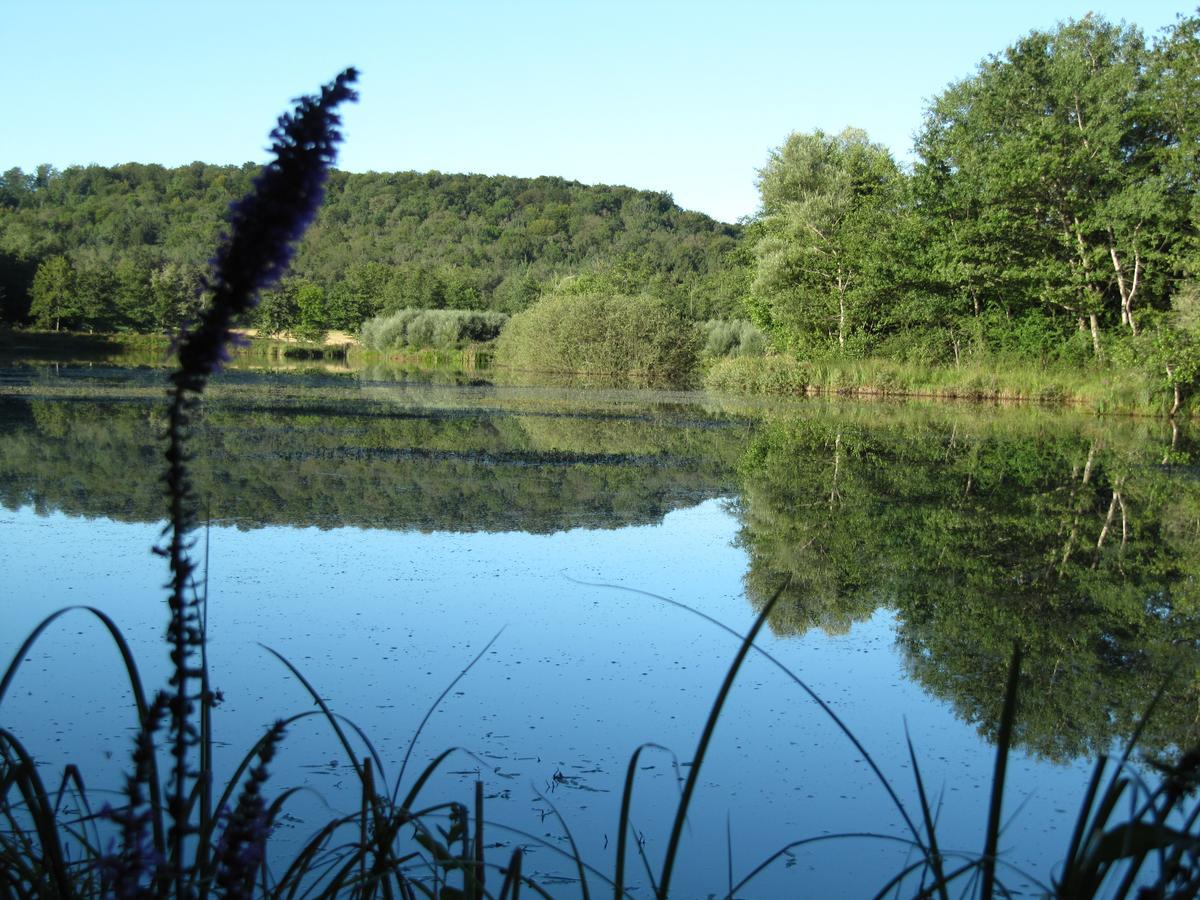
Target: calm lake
pixel 380 533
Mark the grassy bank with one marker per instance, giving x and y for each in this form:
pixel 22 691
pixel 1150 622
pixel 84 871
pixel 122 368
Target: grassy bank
pixel 1103 391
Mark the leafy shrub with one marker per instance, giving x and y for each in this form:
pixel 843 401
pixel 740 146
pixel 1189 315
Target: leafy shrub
pixel 437 328
pixel 592 333
pixel 732 337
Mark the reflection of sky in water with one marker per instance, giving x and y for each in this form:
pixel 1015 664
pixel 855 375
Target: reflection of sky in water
pixel 381 622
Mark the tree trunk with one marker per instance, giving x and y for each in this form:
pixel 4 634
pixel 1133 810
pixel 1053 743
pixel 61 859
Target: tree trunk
pixel 841 286
pixel 834 493
pixel 1127 289
pixel 1076 503
pixel 1178 394
pixel 1174 442
pixel 1094 325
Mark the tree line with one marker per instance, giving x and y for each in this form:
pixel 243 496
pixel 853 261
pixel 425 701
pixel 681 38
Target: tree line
pixel 126 247
pixel 1051 216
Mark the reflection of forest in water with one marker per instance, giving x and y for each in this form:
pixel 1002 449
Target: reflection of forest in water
pixel 1076 542
pixel 977 528
pixel 331 462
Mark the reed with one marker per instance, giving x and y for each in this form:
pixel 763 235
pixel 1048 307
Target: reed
pixel 1100 390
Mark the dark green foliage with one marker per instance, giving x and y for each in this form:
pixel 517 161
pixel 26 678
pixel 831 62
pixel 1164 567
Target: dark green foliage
pixel 381 243
pixel 1076 545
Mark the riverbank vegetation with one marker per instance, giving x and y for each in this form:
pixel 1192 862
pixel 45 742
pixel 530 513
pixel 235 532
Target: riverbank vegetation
pixel 1049 224
pixel 1050 221
pixel 578 329
pixel 439 329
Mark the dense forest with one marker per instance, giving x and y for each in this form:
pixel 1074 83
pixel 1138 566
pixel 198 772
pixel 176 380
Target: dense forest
pixel 1051 217
pixel 125 247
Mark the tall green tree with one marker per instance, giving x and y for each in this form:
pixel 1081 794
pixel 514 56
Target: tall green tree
pixel 53 293
pixel 175 295
pixel 824 201
pixel 1043 179
pixel 1173 94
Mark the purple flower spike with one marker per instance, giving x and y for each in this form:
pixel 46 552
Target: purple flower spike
pixel 264 227
pixel 266 223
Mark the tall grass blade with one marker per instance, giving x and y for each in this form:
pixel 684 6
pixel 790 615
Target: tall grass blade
pixel 729 852
pixel 39 808
pixel 1081 823
pixel 623 824
pixel 689 787
pixel 934 858
pixel 330 717
pixel 1004 735
pixel 479 880
pixel 205 781
pixel 433 708
pixel 579 864
pixel 512 878
pixel 818 839
pixel 134 680
pixel 799 682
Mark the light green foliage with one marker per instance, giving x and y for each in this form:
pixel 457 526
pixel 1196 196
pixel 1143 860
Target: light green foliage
pixel 736 337
pixel 437 328
pixel 313 315
pixel 175 295
pixel 1170 350
pixel 639 337
pixel 277 311
pixel 825 201
pixel 1172 93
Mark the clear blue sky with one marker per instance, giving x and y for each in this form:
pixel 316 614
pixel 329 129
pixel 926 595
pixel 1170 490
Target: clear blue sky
pixel 686 97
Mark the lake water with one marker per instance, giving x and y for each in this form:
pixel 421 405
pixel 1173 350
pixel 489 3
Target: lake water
pixel 379 534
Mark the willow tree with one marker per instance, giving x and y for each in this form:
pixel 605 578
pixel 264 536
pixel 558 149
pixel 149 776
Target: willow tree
pixel 824 200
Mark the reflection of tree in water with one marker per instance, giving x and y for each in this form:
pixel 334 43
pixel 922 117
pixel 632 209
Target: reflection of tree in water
pixel 789 499
pixel 332 464
pixel 1078 546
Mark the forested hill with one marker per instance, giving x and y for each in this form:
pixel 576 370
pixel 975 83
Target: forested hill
pixel 131 240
